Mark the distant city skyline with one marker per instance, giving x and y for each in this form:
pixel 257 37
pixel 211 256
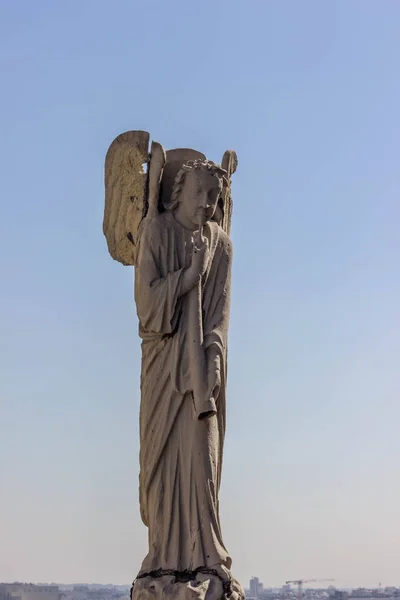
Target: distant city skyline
pixel 255 589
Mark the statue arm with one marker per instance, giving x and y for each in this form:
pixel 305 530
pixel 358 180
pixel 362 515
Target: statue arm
pixel 157 296
pixel 156 302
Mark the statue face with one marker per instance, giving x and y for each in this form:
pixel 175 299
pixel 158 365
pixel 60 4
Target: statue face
pixel 199 197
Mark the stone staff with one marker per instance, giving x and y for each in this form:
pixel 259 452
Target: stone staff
pixel 204 401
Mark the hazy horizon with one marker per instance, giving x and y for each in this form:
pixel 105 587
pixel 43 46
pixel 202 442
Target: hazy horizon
pixel 119 585
pixel 308 95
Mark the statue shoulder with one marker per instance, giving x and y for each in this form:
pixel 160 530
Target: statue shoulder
pixel 158 231
pixel 155 225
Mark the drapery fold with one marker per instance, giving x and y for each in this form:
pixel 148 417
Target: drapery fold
pixel 180 456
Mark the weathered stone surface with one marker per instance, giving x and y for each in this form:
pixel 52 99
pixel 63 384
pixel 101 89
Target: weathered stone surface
pixel 126 188
pixel 201 587
pixel 204 587
pixel 183 258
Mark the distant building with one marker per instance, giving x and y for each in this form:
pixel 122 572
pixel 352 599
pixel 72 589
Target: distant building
pixel 361 593
pixel 96 592
pixel 339 595
pixel 4 593
pixel 80 592
pixel 270 594
pixel 29 591
pixel 256 588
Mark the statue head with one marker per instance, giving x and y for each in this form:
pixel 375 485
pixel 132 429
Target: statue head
pixel 196 191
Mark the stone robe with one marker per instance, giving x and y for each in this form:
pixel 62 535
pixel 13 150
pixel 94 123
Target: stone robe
pixel 180 455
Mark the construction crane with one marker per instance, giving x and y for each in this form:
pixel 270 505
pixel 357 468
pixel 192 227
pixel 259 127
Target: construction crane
pixel 299 583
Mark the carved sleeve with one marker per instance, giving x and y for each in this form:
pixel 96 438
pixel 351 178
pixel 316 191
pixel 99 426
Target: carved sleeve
pixel 156 296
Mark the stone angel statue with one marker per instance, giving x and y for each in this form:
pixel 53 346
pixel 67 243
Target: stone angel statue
pixel 168 214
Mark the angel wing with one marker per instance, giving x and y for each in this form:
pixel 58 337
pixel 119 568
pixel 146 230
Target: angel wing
pixel 131 192
pixel 126 189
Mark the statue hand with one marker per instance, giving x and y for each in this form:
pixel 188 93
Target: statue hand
pixel 207 407
pixel 200 254
pixel 199 262
pixel 213 376
pixel 214 381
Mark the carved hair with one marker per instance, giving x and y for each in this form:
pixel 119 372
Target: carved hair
pixel 205 165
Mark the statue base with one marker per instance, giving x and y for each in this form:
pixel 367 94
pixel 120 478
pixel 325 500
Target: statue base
pixel 201 585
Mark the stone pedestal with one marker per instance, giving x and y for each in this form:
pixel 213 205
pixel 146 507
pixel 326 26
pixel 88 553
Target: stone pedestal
pixel 186 586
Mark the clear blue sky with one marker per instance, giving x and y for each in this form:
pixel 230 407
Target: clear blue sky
pixel 308 93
